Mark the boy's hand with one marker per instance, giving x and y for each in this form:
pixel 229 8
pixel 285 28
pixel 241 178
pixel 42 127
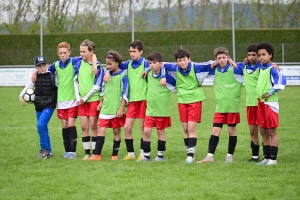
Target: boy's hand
pixel 163 81
pixel 33 76
pixel 95 70
pixel 106 77
pixel 22 101
pixel 266 96
pixel 231 62
pixel 246 61
pixel 214 64
pixel 99 106
pixel 119 113
pixel 144 74
pixel 276 66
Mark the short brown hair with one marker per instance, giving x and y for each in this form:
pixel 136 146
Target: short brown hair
pixel 221 50
pixel 63 45
pixel 88 43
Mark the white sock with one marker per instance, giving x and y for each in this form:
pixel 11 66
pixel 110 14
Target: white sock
pixel 142 152
pixel 229 155
pixel 255 157
pixel 210 155
pixel 131 153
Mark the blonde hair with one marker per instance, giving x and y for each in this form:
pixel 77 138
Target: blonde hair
pixel 63 45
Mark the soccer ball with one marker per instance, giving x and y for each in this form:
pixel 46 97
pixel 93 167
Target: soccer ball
pixel 29 95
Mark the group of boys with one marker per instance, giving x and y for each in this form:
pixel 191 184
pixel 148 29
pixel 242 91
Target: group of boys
pixel 149 99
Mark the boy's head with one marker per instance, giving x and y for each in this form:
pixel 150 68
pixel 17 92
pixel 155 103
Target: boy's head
pixel 252 54
pixel 40 63
pixel 265 52
pixel 222 56
pixel 182 57
pixel 155 61
pixel 112 60
pixel 86 50
pixel 63 51
pixel 136 49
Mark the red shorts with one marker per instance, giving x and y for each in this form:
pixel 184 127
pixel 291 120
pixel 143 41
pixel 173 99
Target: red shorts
pixel 267 118
pixel 67 113
pixel 89 109
pixel 190 112
pixel 252 116
pixel 226 118
pixel 136 109
pixel 159 122
pixel 112 123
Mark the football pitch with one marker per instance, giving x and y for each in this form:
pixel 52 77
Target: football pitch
pixel 23 176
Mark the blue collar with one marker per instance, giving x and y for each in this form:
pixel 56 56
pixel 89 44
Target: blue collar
pixel 225 69
pixel 118 73
pixel 263 67
pixel 187 71
pixel 63 65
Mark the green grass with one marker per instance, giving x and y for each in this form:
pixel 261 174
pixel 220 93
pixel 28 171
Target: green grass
pixel 25 177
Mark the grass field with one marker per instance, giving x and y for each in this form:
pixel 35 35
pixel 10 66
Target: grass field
pixel 25 177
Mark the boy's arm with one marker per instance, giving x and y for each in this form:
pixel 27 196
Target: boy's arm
pixel 125 89
pixel 239 73
pixel 124 65
pixel 97 85
pixel 278 81
pixel 171 81
pixel 202 70
pixel 94 64
pixel 100 103
pixel 76 84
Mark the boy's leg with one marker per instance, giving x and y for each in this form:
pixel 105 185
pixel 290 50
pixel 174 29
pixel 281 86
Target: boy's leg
pixel 100 139
pixel 161 145
pixel 73 141
pixel 266 146
pixel 65 135
pixel 42 127
pixel 93 125
pixel 185 136
pixel 85 136
pixel 254 144
pixel 142 131
pixel 274 146
pixel 117 141
pixel 192 139
pixel 231 142
pixel 128 138
pixel 146 144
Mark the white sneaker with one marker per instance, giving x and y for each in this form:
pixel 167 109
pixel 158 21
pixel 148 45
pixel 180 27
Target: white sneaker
pixel 189 159
pixel 272 162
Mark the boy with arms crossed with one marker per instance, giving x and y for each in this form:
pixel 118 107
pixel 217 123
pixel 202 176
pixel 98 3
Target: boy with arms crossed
pixel 87 92
pixel 114 97
pixel 44 102
pixel 269 82
pixel 158 107
pixel 227 87
pixel 138 91
pixel 189 77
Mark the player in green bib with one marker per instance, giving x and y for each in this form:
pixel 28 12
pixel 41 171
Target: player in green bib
pixel 87 91
pixel 114 97
pixel 158 107
pixel 269 82
pixel 227 87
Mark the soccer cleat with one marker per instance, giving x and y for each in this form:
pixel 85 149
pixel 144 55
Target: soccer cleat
pixel 189 159
pixel 207 159
pixel 114 158
pixel 95 157
pixel 72 155
pixel 44 154
pixel 66 155
pixel 143 159
pixel 159 159
pixel 140 158
pixel 129 157
pixel 228 159
pixel 253 159
pixel 86 157
pixel 263 162
pixel 272 162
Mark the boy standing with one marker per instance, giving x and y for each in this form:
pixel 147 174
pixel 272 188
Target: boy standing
pixel 87 92
pixel 138 92
pixel 114 97
pixel 158 107
pixel 227 87
pixel 269 82
pixel 189 77
pixel 45 103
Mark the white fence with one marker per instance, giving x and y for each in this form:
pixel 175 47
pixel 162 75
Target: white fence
pixel 20 75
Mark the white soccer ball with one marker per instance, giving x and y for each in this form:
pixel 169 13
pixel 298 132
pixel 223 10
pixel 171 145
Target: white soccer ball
pixel 29 95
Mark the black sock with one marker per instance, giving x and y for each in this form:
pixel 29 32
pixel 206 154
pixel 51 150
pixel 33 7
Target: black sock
pixel 231 144
pixel 73 138
pixel 186 144
pixel 213 143
pixel 192 146
pixel 99 145
pixel 161 147
pixel 267 153
pixel 86 144
pixel 255 149
pixel 129 145
pixel 66 139
pixel 116 147
pixel 273 152
pixel 147 148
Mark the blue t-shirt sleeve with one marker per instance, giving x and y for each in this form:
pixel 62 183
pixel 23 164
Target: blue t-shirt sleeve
pixel 146 64
pixel 75 60
pixel 124 65
pixel 278 80
pixel 76 68
pixel 170 66
pixel 99 77
pixel 52 68
pixel 202 67
pixel 238 70
pixel 125 88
